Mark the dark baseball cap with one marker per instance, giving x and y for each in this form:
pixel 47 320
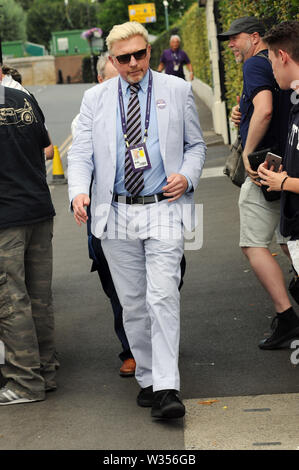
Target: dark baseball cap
pixel 247 24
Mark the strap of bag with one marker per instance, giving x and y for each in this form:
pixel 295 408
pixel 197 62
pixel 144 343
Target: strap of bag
pixel 261 54
pixel 276 89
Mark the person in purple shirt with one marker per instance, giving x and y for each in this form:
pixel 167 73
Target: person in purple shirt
pixel 174 58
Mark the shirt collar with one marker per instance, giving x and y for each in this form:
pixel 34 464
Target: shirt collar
pixel 125 86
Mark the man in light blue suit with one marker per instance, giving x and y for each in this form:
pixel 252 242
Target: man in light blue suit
pixel 139 135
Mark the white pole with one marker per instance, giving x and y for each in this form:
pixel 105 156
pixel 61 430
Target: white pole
pixel 219 108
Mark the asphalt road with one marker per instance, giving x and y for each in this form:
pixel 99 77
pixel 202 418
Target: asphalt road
pixel 225 312
pixel 60 104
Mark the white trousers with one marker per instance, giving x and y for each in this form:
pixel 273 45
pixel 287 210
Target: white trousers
pixel 144 260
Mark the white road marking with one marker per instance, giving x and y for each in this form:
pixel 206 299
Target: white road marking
pixel 212 172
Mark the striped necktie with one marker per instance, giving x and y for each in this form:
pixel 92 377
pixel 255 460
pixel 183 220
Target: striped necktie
pixel 134 182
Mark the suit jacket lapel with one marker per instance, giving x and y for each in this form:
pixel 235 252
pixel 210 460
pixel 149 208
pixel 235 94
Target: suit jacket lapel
pixel 162 104
pixel 110 109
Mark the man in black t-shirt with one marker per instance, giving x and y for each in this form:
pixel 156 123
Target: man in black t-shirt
pixel 26 229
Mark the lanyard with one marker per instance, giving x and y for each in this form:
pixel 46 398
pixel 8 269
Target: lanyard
pixel 175 57
pixel 148 108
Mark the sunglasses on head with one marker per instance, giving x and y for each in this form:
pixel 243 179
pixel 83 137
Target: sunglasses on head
pixel 125 58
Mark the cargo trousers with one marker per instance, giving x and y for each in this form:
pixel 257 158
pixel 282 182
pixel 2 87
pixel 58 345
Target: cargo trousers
pixel 26 311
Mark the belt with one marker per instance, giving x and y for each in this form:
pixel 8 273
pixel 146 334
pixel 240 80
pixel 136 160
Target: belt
pixel 139 199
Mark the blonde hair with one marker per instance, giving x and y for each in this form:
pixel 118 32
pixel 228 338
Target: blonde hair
pixel 126 30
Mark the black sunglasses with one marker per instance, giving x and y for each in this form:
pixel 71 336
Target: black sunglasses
pixel 125 58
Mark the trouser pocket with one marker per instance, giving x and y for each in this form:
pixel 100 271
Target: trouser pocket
pixel 5 299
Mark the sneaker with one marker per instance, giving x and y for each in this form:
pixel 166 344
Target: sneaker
pixel 167 405
pixel 283 333
pixel 9 397
pixel 50 387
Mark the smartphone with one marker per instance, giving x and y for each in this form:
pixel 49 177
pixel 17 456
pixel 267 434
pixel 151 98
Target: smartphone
pixel 273 160
pixel 256 158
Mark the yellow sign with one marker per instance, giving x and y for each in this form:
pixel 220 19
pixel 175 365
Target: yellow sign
pixel 143 13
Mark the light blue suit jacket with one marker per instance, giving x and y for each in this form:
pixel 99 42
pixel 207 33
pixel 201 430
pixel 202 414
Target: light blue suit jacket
pixel 94 147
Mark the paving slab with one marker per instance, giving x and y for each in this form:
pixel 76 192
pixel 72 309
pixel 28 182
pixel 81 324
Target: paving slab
pixel 262 422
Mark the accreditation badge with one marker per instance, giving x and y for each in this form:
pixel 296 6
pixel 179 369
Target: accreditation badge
pixel 139 157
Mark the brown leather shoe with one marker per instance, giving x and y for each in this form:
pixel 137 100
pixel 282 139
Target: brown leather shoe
pixel 128 368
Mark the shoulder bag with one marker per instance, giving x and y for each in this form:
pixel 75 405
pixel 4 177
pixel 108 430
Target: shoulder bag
pixel 234 166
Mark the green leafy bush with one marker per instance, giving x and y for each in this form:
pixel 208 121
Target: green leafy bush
pixel 12 21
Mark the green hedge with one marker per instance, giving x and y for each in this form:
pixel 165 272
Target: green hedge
pixel 193 32
pixel 269 12
pixel 194 35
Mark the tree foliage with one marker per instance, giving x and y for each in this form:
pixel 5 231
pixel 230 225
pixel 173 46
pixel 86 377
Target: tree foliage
pixel 43 18
pixel 12 21
pixel 82 14
pixel 25 4
pixel 111 12
pixel 47 16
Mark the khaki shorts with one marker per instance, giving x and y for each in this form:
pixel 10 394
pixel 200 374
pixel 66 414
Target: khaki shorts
pixel 259 219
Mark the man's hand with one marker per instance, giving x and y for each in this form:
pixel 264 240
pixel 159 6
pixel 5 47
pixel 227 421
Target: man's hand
pixel 236 115
pixel 270 178
pixel 253 175
pixel 177 185
pixel 78 204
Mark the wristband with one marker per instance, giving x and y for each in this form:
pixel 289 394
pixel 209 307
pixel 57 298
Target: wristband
pixel 282 183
